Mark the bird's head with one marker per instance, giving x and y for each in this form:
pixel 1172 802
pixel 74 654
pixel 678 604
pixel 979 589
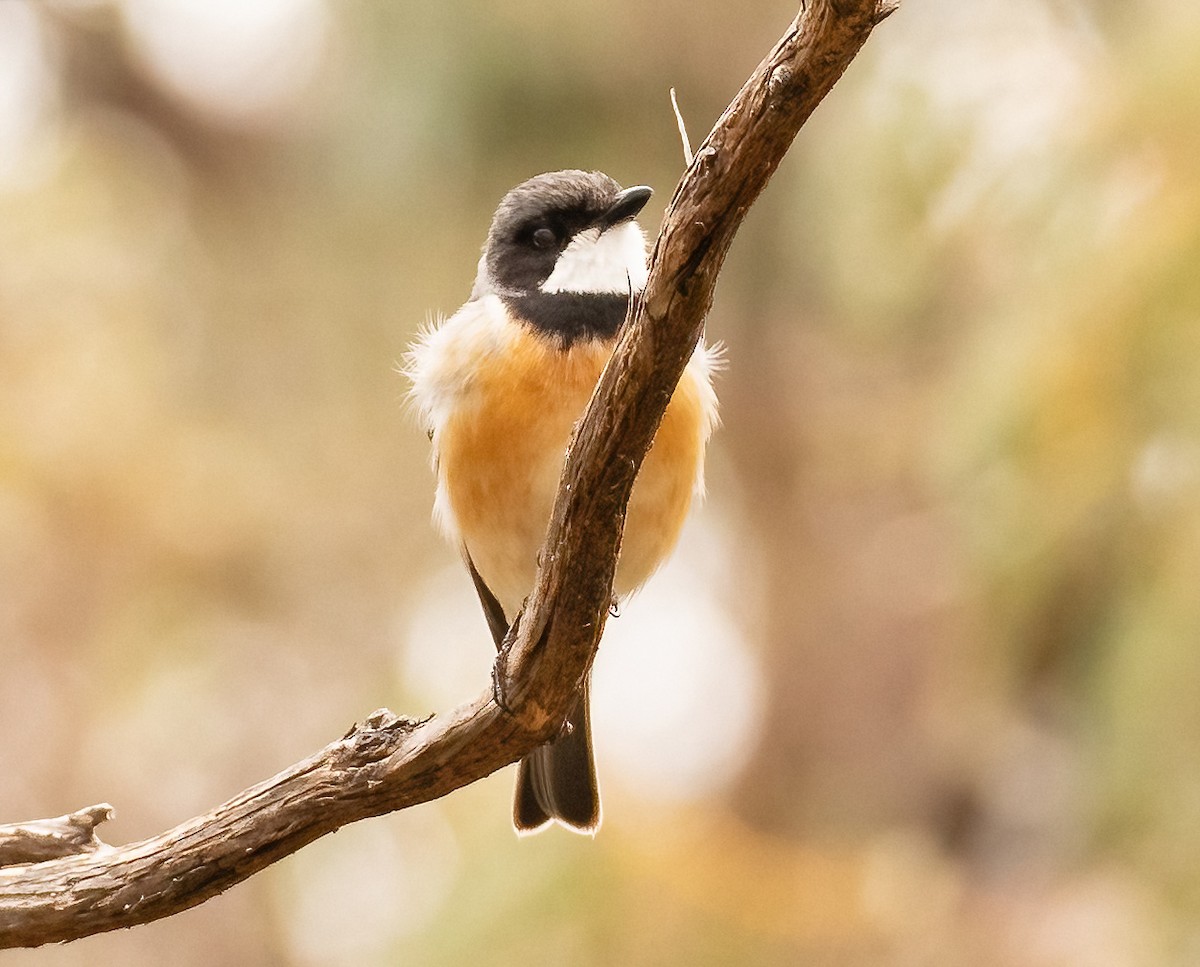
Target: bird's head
pixel 564 253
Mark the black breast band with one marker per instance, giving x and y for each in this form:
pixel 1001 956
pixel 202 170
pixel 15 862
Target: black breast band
pixel 571 316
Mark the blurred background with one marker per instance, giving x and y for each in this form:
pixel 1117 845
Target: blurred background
pixel 922 684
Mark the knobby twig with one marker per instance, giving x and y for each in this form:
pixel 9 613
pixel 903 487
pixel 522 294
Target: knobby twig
pixel 48 839
pixel 66 884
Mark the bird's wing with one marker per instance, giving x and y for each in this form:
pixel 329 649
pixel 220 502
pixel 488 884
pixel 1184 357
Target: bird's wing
pixel 497 623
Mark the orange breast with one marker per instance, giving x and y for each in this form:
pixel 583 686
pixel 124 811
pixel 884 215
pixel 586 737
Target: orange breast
pixel 501 451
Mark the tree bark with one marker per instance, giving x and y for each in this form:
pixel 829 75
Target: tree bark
pixel 58 882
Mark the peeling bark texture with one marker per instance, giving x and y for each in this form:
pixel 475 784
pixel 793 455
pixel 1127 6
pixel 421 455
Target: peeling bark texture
pixel 59 882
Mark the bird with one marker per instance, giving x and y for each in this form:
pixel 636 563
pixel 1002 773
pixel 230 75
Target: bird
pixel 499 387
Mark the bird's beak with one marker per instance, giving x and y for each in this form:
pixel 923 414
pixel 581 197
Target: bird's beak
pixel 626 206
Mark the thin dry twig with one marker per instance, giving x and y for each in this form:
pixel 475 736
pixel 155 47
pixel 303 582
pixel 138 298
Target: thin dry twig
pixel 683 135
pixel 387 762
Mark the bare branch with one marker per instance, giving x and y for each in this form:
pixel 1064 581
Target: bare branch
pixel 388 763
pixel 384 764
pixel 564 618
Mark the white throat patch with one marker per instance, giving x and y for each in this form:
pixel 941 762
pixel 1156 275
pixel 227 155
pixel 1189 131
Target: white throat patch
pixel 596 261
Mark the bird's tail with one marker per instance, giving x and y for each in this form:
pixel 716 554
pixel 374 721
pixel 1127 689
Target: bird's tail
pixel 558 780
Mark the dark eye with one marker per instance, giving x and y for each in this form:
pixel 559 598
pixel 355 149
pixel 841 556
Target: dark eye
pixel 544 238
